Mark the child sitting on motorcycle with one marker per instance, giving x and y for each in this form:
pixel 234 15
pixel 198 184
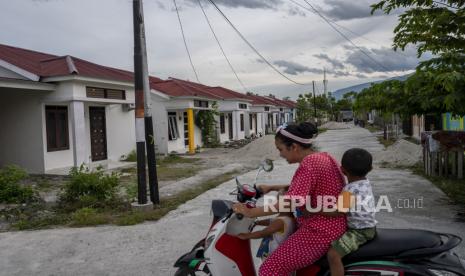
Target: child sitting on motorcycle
pixel 277 230
pixel 356 164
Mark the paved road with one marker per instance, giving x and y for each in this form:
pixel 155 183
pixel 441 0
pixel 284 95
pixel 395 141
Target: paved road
pixel 152 248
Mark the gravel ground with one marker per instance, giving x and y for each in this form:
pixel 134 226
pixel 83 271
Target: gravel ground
pixel 401 153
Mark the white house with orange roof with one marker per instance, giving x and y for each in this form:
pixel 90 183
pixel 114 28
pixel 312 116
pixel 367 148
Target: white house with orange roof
pixel 175 104
pixel 61 111
pixel 233 119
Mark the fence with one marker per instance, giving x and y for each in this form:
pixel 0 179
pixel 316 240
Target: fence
pixel 443 153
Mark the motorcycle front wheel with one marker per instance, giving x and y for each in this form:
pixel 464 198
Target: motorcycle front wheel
pixel 187 271
pixel 184 271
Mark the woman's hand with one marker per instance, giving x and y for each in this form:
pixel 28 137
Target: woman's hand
pixel 240 208
pixel 265 188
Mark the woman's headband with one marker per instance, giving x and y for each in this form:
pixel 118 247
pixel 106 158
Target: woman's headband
pixel 282 129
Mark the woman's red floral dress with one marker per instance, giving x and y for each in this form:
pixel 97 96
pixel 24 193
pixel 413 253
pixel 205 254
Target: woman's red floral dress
pixel 319 174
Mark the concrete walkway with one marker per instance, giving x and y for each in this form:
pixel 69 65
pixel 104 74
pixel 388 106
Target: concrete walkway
pixel 152 248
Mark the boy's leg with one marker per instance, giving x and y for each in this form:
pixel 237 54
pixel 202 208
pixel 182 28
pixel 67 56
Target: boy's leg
pixel 335 262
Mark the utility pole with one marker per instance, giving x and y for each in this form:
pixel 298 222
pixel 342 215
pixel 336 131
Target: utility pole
pixel 143 112
pixel 314 100
pixel 325 83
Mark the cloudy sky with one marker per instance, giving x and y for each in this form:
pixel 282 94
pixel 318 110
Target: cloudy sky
pixel 296 41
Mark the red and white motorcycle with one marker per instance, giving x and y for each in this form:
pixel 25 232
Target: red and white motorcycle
pixel 395 252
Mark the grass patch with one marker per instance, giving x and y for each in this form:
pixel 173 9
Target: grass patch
pixel 88 217
pixel 131 157
pixel 453 188
pixel 322 130
pixel 122 216
pixel 412 140
pixel 373 128
pixel 176 159
pixel 41 223
pixel 386 143
pixel 174 173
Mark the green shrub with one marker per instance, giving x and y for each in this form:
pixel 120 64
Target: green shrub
pixel 10 189
pixel 131 157
pixel 88 188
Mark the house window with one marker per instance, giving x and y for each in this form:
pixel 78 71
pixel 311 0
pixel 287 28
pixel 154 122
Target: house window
pixel 242 106
pixel 251 121
pixel 222 124
pixel 267 108
pixel 56 123
pixel 242 122
pixel 198 103
pixel 281 109
pixel 102 93
pixel 173 132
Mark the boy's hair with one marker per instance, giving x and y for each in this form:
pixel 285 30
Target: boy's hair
pixel 357 162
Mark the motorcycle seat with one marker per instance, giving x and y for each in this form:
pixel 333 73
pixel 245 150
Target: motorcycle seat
pixel 399 243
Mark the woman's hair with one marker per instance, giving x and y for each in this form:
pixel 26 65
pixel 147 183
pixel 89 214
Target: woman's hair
pixel 305 130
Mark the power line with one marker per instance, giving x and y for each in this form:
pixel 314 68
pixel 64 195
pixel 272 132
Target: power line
pixel 219 44
pixel 185 43
pixel 346 38
pixel 332 21
pixel 345 28
pixel 251 46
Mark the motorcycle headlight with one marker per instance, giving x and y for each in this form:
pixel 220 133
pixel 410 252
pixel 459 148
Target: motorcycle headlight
pixel 442 272
pixel 209 241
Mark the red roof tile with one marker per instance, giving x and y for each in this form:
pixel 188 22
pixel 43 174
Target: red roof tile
pixel 259 100
pixel 229 94
pixel 46 65
pixel 282 103
pixel 175 88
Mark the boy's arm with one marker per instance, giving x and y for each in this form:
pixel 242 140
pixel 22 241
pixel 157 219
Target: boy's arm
pixel 263 222
pixel 343 207
pixel 275 226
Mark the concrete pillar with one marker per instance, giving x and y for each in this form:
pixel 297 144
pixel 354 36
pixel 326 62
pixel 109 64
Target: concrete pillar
pixel 190 130
pixel 236 124
pixel 79 133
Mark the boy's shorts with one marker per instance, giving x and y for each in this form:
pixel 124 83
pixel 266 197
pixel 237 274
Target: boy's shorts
pixel 352 240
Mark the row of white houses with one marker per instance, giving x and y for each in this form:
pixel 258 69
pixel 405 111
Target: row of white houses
pixel 60 111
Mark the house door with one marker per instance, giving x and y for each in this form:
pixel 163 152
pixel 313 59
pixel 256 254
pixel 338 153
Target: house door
pixel 256 123
pixel 230 125
pixel 98 133
pixel 186 130
pixel 270 122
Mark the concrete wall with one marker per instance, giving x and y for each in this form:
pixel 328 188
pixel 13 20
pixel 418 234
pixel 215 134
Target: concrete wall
pixel 28 120
pixel 232 105
pixel 121 135
pixel 21 140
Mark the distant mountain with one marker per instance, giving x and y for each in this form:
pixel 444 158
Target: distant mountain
pixel 338 94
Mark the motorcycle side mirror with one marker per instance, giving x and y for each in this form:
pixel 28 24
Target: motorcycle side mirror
pixel 267 165
pixel 238 184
